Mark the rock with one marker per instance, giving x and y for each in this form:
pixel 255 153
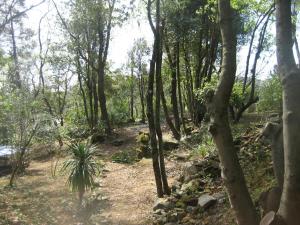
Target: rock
pixel 270 200
pixel 170 145
pixel 205 201
pixel 220 196
pixel 189 200
pixel 159 212
pixel 175 186
pixel 187 220
pixel 161 220
pixel 163 203
pixel 144 152
pixel 193 186
pixel 173 217
pixel 191 209
pixel 117 142
pixel 143 138
pixel 182 156
pixel 97 138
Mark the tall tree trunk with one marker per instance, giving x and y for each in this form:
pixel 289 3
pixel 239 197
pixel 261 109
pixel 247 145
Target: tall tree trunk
pixel 189 82
pixel 290 77
pixel 79 76
pixel 173 129
pixel 141 90
pixel 102 100
pixel 174 100
pixel 252 99
pixel 232 173
pixel 96 97
pixel 132 96
pixel 179 85
pixel 158 89
pixel 16 79
pixel 151 124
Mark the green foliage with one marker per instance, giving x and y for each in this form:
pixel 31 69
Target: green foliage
pixel 237 97
pixel 206 146
pixel 270 94
pixel 208 87
pixel 126 156
pixel 81 167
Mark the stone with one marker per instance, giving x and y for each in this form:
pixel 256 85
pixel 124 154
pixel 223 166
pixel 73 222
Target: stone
pixel 205 201
pixel 220 196
pixel 172 217
pixel 170 145
pixel 193 186
pixel 163 203
pixel 270 200
pixel 182 156
pixel 190 200
pixel 159 212
pixel 191 209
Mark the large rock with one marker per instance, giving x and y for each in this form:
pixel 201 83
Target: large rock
pixel 205 201
pixel 193 186
pixel 163 203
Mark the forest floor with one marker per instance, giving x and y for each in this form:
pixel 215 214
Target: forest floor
pixel 126 191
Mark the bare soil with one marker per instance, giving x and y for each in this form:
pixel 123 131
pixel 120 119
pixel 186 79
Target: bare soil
pixel 128 192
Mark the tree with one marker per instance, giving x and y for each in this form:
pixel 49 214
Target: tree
pixel 156 140
pixel 288 212
pixel 90 33
pixel 138 55
pixel 220 129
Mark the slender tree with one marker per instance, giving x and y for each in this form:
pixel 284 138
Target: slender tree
pixel 288 213
pixel 220 128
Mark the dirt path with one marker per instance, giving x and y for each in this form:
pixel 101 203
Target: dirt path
pixel 128 192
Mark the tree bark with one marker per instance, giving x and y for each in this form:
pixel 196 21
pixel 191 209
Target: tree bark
pixel 179 85
pixel 16 79
pixel 232 173
pixel 174 100
pixel 290 77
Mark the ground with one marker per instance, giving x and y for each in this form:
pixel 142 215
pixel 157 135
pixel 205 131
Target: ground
pixel 128 191
pixel 125 193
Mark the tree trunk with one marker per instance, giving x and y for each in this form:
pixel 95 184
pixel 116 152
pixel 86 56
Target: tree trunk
pixel 151 124
pixel 141 89
pixel 158 89
pixel 290 78
pixel 174 100
pixel 96 98
pixel 232 173
pixel 175 133
pixel 132 96
pixel 102 100
pixel 16 79
pixel 179 85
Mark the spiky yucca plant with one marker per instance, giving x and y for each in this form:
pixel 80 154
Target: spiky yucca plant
pixel 81 168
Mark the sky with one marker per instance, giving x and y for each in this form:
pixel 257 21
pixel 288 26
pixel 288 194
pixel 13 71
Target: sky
pixel 123 38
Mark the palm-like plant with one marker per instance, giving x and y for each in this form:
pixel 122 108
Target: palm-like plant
pixel 81 168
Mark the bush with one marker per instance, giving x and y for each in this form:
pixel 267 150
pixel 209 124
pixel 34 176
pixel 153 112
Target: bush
pixel 270 95
pixel 81 168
